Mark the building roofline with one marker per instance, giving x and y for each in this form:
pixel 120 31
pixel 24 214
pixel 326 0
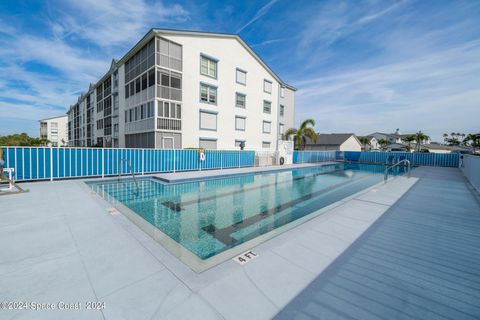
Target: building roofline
pixel 227 35
pixel 159 31
pixel 51 118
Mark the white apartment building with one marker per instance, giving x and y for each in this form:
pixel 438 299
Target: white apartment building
pixel 55 131
pixel 185 89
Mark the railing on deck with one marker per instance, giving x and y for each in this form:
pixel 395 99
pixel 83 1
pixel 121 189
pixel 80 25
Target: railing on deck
pixel 470 165
pixel 314 156
pixel 45 163
pixel 416 159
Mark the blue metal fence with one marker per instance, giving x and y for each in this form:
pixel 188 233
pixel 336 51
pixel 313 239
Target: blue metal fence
pixel 41 163
pixel 313 156
pixel 416 159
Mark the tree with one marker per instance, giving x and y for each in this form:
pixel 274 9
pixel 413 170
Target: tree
pixel 383 142
pixel 301 134
pixel 454 138
pixel 473 140
pixel 409 140
pixel 420 137
pixel 365 141
pixel 22 139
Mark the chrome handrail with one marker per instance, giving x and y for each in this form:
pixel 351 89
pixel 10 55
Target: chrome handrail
pixel 131 171
pixel 385 177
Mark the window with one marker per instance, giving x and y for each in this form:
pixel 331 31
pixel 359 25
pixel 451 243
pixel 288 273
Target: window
pixel 281 128
pixel 160 108
pixel 151 77
pixel 267 127
pixel 265 144
pixel 282 110
pixel 267 86
pixel 144 81
pixel 267 106
pixel 209 144
pixel 208 67
pixel 175 82
pixel 241 77
pixel 100 124
pixel 127 91
pixel 179 111
pixel 132 88
pixel 240 100
pixel 240 123
pixel 237 142
pixel 137 85
pixel 166 110
pixel 282 92
pixel 208 93
pixel 208 120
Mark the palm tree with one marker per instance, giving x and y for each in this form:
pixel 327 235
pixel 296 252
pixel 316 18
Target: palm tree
pixel 365 141
pixel 409 140
pixel 420 137
pixel 301 134
pixel 473 139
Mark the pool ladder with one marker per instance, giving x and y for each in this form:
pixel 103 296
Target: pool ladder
pixel 131 172
pixel 385 177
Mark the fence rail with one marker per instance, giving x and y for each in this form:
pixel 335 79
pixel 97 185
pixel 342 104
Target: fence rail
pixel 314 156
pixel 45 163
pixel 471 169
pixel 416 159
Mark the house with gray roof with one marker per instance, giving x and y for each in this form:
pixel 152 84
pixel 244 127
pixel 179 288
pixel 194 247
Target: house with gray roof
pixel 334 141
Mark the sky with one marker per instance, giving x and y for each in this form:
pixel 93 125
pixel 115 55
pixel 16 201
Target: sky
pixel 359 66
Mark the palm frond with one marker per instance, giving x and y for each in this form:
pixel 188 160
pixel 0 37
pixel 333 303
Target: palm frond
pixel 307 122
pixel 290 132
pixel 310 133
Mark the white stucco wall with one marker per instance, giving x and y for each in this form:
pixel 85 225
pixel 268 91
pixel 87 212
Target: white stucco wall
pixel 62 131
pixel 351 144
pixel 230 55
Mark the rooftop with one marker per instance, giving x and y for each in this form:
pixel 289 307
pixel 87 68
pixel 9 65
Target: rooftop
pixel 333 139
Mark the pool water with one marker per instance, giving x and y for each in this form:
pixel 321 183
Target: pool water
pixel 213 215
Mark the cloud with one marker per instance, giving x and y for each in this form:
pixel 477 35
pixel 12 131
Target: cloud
pixel 260 13
pixel 116 22
pixel 46 63
pixel 416 94
pixel 267 42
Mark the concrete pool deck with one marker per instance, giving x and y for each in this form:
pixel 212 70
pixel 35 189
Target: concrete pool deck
pixel 420 260
pixel 61 243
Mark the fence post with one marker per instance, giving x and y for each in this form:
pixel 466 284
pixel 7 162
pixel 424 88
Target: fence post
pixel 103 164
pixel 174 162
pixel 143 162
pixel 51 164
pixel 239 158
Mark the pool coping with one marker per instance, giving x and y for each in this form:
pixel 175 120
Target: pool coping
pixel 199 265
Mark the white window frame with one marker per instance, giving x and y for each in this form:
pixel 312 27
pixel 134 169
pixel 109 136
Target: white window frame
pixel 263 126
pixel 212 91
pixel 265 87
pixel 269 103
pixel 200 120
pixel 238 70
pixel 210 61
pixel 244 123
pixel 237 94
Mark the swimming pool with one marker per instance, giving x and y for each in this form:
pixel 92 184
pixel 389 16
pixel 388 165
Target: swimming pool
pixel 210 216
